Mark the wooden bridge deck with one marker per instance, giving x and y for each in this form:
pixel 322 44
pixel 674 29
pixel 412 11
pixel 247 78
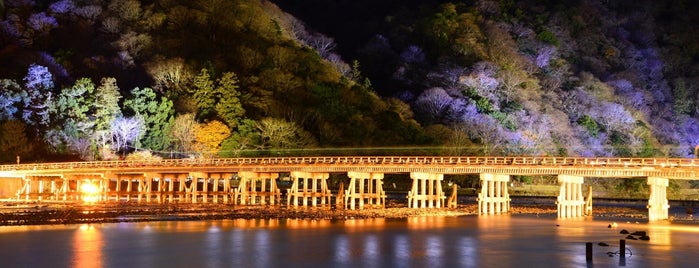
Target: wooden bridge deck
pixel 670 168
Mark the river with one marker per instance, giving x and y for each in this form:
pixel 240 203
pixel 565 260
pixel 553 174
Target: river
pixel 465 241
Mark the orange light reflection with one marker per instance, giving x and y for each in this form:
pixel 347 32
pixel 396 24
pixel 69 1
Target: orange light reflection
pixel 87 247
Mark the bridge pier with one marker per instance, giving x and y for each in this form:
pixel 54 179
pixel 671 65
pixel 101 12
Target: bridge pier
pixel 309 185
pixel 363 187
pixel 194 187
pixel 570 199
pixel 426 191
pixel 657 202
pixel 247 193
pixel 494 197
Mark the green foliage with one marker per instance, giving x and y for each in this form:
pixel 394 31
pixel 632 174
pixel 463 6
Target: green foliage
pixel 106 103
pixel 13 141
pixel 484 106
pixel 647 149
pixel 633 187
pixel 228 106
pixel 245 138
pixel 204 94
pixel 547 36
pixel 157 113
pixel 590 125
pixel 452 29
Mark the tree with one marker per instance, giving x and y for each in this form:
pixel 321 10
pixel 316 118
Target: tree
pixel 38 96
pixel 247 136
pixel 209 137
pixel 281 134
pixel 432 103
pixel 13 140
pixel 183 133
pixel 157 114
pixel 128 10
pixel 125 131
pixel 10 99
pixel 228 106
pixel 204 94
pixel 169 75
pixel 74 104
pixel 106 103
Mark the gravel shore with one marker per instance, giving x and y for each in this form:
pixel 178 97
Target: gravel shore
pixel 15 213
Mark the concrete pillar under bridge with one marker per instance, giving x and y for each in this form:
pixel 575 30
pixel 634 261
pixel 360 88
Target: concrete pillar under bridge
pixel 307 186
pixel 494 197
pixel 426 191
pixel 657 202
pixel 247 191
pixel 364 187
pixel 570 199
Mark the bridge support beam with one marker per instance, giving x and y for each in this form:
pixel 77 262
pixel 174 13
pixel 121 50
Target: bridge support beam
pixel 193 188
pixel 494 197
pixel 365 187
pixel 657 202
pixel 311 186
pixel 426 191
pixel 247 192
pixel 570 199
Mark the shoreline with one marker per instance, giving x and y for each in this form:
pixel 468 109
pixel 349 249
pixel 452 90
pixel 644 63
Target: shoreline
pixel 44 213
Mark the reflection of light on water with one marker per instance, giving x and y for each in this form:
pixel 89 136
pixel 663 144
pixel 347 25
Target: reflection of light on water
pixel 372 250
pixel 416 223
pixel 352 226
pixel 468 248
pixel 87 247
pixel 262 248
pixel 402 250
pixel 341 249
pixel 434 251
pixel 303 224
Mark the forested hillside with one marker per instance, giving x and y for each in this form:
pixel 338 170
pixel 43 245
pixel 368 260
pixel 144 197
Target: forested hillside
pixel 572 77
pixel 99 79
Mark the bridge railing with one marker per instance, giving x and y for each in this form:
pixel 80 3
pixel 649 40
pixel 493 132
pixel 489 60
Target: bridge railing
pixel 367 160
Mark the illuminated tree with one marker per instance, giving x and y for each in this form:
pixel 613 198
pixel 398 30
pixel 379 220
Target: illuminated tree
pixel 183 133
pixel 209 137
pixel 128 10
pixel 38 96
pixel 228 106
pixel 10 99
pixel 126 131
pixel 106 103
pixel 169 75
pixel 204 94
pixel 73 112
pixel 281 134
pixel 42 23
pixel 157 113
pixel 245 137
pixel 432 104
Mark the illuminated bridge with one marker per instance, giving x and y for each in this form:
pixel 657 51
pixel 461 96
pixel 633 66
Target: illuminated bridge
pixel 249 181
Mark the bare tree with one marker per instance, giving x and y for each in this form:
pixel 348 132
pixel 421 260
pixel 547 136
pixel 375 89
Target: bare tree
pixel 126 130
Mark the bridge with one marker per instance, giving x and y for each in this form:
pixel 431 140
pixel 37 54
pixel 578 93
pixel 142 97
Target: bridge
pixel 212 180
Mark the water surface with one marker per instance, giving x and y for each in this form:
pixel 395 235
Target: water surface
pixel 467 241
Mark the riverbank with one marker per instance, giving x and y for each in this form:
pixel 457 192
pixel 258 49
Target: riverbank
pixel 36 213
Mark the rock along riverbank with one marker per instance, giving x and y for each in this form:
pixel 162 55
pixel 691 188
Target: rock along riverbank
pixel 19 213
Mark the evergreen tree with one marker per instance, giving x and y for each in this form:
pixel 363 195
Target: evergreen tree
pixel 228 107
pixel 157 113
pixel 106 103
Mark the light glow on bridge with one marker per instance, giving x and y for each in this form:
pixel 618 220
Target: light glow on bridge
pixel 90 192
